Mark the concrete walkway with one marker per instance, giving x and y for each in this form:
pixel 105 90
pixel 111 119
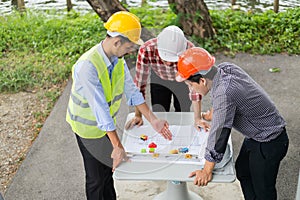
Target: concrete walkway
pixel 53 168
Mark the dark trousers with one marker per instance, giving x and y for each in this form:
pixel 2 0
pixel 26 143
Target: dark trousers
pixel 162 92
pixel 257 167
pixel 99 182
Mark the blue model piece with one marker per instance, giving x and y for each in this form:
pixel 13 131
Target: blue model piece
pixel 183 150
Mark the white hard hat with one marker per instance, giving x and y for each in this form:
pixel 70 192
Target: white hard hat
pixel 171 42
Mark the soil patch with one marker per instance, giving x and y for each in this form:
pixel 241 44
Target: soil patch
pixel 18 129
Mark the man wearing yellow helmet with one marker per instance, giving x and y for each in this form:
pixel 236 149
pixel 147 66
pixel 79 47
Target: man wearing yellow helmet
pixel 100 77
pixel 238 102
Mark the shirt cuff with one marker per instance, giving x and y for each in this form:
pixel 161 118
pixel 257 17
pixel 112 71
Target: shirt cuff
pixel 107 127
pixel 195 96
pixel 213 156
pixel 136 99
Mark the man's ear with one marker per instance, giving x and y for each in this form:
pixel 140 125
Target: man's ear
pixel 117 42
pixel 203 80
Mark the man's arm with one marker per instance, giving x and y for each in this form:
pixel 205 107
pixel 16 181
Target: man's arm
pixel 203 176
pixel 198 120
pixel 89 86
pixel 207 115
pixel 114 138
pixel 197 109
pixel 118 154
pixel 142 71
pixel 137 120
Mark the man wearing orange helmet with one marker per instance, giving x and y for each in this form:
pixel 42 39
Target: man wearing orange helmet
pixel 100 77
pixel 157 59
pixel 238 102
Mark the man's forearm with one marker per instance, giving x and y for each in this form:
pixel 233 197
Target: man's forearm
pixel 137 112
pixel 114 138
pixel 144 109
pixel 209 166
pixel 197 109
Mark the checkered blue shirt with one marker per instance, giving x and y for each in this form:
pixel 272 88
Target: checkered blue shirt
pixel 239 102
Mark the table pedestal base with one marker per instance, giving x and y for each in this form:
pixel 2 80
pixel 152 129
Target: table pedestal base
pixel 177 190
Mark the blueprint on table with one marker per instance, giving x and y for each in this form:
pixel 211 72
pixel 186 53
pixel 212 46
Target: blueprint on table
pixel 184 136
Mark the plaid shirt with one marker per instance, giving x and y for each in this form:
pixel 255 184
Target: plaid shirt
pixel 239 102
pixel 148 58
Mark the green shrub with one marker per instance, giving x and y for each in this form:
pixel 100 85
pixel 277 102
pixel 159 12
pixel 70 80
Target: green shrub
pixel 37 50
pixel 257 33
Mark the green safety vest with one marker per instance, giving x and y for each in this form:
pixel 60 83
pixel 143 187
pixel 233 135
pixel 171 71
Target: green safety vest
pixel 79 114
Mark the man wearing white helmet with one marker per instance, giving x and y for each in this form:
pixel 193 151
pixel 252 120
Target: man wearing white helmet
pixel 158 58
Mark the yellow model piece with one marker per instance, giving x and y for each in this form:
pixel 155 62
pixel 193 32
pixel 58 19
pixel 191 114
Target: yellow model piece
pixel 155 155
pixel 173 151
pixel 188 156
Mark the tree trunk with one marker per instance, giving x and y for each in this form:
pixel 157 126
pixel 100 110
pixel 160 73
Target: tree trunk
pixel 14 3
pixel 69 5
pixel 194 17
pixel 18 4
pixel 276 6
pixel 105 8
pixel 144 2
pixel 21 4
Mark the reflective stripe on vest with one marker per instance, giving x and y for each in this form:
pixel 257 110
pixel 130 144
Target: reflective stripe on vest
pixel 79 114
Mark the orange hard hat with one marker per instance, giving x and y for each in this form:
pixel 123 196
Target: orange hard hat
pixel 126 24
pixel 194 60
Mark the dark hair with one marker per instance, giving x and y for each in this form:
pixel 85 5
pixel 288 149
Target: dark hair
pixel 209 75
pixel 195 78
pixel 123 39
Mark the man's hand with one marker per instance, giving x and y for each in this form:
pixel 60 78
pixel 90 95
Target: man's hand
pixel 162 127
pixel 159 125
pixel 135 121
pixel 207 115
pixel 199 123
pixel 202 177
pixel 205 175
pixel 118 155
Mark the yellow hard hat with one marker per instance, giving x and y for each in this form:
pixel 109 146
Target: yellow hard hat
pixel 126 24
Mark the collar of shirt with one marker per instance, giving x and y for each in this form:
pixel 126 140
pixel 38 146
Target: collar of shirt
pixel 110 65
